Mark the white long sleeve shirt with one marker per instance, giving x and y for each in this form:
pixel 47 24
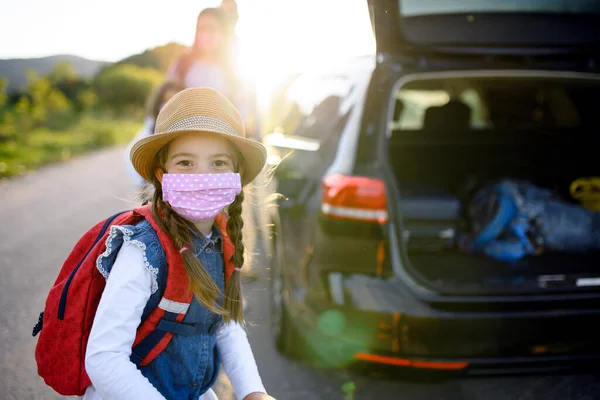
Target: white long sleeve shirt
pixel 118 316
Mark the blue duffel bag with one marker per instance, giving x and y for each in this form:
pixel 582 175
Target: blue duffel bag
pixel 512 219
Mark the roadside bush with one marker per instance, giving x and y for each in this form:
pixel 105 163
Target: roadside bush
pixel 125 88
pixel 43 146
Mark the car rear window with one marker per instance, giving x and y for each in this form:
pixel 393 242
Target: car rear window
pixel 496 103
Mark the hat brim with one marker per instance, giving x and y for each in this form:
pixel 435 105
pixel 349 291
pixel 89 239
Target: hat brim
pixel 144 152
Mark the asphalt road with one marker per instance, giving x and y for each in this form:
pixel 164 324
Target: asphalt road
pixel 43 214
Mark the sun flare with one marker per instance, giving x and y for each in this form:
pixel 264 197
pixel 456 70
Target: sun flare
pixel 279 37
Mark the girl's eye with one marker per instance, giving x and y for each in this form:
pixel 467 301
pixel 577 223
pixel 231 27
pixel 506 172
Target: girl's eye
pixel 220 163
pixel 184 163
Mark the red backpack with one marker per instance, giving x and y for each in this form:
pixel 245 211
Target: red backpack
pixel 66 322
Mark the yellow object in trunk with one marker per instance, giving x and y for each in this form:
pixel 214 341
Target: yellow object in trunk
pixel 587 191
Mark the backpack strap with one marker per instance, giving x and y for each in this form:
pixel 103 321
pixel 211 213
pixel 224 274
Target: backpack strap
pixel 505 235
pixel 157 330
pixel 169 324
pixel 506 211
pixel 228 247
pixel 176 299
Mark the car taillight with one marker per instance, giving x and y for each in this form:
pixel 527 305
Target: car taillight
pixel 354 197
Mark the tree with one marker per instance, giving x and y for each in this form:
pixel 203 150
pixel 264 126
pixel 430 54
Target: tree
pixel 126 86
pixel 45 99
pixel 160 58
pixel 21 113
pixel 86 99
pixel 62 72
pixel 79 93
pixel 3 96
pixel 6 118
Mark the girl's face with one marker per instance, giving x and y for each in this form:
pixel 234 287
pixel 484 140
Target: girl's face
pixel 200 153
pixel 209 35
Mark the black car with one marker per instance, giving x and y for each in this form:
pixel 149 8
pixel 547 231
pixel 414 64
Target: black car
pixel 376 161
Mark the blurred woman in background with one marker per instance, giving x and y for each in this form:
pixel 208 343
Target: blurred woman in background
pixel 210 63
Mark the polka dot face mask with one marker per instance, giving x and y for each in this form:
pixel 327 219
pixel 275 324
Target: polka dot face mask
pixel 200 197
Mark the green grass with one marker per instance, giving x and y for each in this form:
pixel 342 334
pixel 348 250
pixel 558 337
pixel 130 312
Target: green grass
pixel 43 146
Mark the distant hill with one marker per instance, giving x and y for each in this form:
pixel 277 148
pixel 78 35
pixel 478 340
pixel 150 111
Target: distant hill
pixel 15 70
pixel 159 58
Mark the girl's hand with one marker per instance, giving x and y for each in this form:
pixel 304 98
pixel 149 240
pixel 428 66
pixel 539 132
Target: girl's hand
pixel 258 396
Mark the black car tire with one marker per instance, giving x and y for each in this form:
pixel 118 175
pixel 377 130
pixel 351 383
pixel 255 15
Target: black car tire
pixel 289 342
pixel 287 339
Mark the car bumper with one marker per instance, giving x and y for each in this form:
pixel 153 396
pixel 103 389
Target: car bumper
pixel 487 366
pixel 403 331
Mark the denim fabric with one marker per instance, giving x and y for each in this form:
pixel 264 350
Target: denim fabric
pixel 552 222
pixel 563 226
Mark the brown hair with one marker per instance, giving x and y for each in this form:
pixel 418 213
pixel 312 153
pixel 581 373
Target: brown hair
pixel 155 100
pixel 179 230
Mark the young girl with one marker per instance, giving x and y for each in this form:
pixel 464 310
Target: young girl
pixel 157 99
pixel 198 160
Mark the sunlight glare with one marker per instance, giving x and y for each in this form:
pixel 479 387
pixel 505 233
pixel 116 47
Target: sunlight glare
pixel 281 37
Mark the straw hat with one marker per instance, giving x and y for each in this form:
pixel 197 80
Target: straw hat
pixel 198 110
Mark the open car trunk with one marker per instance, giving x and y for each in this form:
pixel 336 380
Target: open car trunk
pixel 454 134
pixel 485 26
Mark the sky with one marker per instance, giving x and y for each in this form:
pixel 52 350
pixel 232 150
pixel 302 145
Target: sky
pixel 276 36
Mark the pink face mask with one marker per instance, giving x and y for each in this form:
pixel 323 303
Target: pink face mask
pixel 200 197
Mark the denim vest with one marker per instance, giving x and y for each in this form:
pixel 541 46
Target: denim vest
pixel 189 365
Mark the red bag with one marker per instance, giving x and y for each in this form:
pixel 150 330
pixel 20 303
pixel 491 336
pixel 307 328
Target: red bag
pixel 67 320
